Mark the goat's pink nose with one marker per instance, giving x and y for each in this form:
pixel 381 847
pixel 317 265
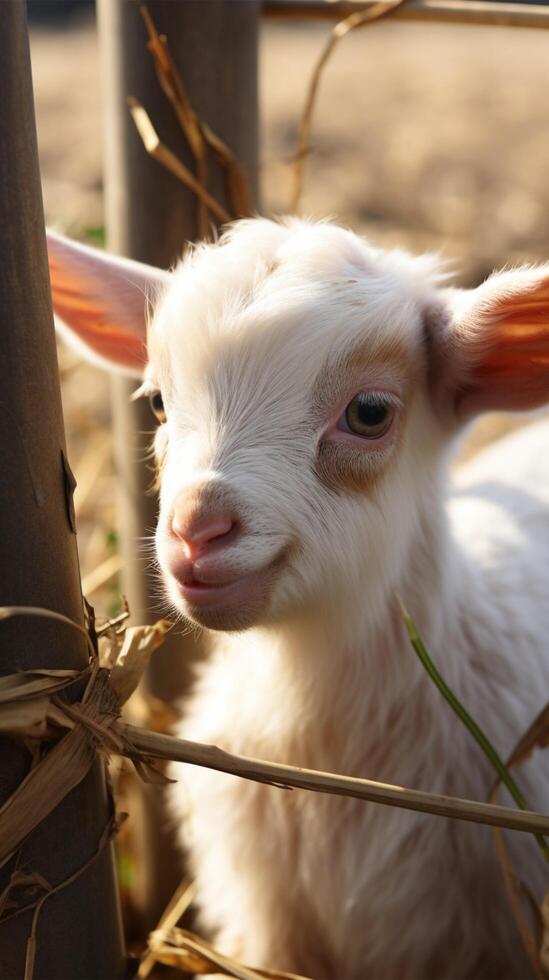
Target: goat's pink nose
pixel 199 532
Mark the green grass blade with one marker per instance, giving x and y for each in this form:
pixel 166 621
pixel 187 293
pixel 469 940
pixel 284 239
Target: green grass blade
pixel 465 717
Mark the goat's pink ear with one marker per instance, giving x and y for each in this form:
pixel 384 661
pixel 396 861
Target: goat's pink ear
pixel 495 355
pixel 100 302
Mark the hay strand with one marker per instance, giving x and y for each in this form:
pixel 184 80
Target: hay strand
pixel 61 769
pixel 176 908
pixel 191 953
pixel 176 93
pixel 514 895
pixel 197 132
pixel 160 152
pixel 459 709
pixel 158 746
pixel 358 19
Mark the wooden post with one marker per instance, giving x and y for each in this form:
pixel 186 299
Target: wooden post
pixel 78 933
pixel 150 215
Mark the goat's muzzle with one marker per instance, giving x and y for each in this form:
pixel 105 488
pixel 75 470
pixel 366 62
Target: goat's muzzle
pixel 212 577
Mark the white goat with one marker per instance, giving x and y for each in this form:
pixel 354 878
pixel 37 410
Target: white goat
pixel 310 388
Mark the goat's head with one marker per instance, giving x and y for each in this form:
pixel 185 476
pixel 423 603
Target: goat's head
pixel 306 386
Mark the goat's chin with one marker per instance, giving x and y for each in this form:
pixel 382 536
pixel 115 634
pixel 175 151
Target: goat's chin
pixel 238 606
pixel 226 619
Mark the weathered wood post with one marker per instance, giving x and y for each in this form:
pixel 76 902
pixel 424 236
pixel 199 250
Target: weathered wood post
pixel 79 933
pixel 150 215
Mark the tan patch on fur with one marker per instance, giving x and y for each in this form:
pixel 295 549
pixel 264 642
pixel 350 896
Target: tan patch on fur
pixel 340 465
pixel 390 353
pixel 386 361
pixel 271 266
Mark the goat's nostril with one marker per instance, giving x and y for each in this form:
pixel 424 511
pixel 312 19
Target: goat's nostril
pixel 197 535
pixel 216 527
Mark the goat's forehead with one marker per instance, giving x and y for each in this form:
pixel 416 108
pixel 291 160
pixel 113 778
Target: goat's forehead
pixel 274 317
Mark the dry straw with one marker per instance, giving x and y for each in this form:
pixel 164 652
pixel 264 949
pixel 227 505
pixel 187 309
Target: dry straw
pixel 522 904
pixel 30 702
pixel 355 20
pixel 202 141
pixel 177 947
pixel 536 736
pixel 94 723
pixel 160 152
pixel 31 708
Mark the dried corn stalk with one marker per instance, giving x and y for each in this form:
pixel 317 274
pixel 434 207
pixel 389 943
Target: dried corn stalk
pixel 200 138
pixel 180 948
pixel 194 956
pixel 31 708
pixel 94 724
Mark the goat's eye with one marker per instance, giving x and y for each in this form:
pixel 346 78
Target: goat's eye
pixel 368 416
pixel 157 405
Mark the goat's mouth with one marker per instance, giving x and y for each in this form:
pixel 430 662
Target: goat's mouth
pixel 233 604
pixel 198 593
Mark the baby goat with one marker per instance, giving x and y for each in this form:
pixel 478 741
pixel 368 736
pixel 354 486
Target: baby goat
pixel 310 388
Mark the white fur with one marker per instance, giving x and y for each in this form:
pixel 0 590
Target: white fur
pixel 334 887
pixel 324 676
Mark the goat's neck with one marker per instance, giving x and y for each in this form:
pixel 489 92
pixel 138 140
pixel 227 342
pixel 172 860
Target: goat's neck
pixel 369 629
pixel 333 675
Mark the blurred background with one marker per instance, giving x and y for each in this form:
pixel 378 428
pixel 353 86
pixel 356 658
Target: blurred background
pixel 427 137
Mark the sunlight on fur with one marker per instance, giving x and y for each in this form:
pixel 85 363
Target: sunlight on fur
pixel 311 390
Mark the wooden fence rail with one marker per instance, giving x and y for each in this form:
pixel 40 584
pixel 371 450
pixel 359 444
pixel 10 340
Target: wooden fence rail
pixel 445 11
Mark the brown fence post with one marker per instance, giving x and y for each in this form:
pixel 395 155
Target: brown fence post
pixel 79 933
pixel 149 217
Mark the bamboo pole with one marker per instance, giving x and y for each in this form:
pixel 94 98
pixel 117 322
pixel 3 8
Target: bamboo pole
pixel 485 12
pixel 78 932
pixel 150 214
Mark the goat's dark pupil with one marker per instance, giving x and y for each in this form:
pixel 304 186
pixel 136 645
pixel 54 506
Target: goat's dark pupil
pixel 370 414
pixel 157 404
pixel 366 417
